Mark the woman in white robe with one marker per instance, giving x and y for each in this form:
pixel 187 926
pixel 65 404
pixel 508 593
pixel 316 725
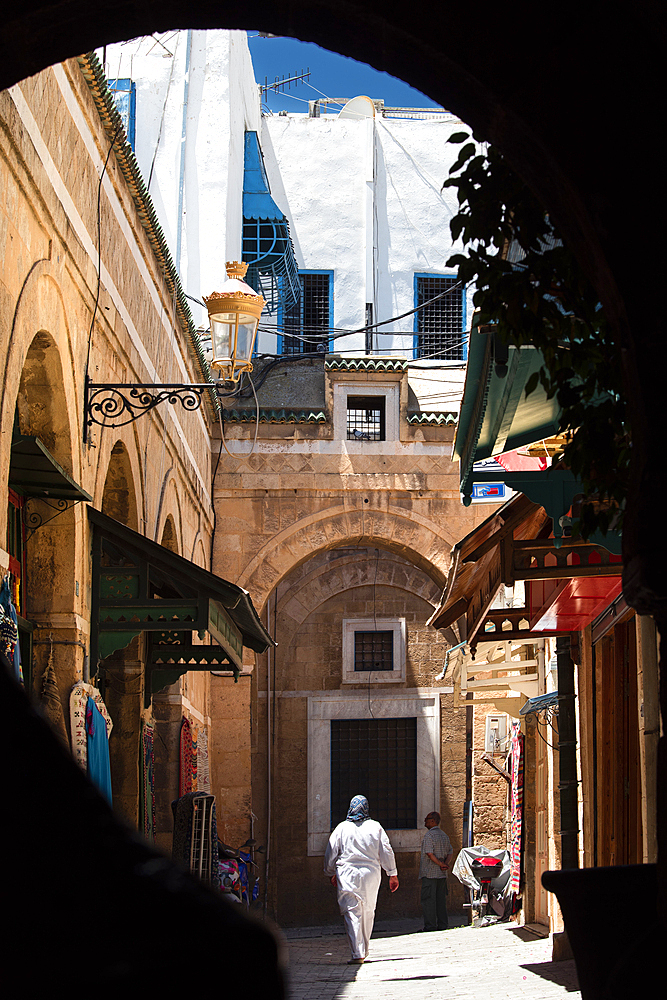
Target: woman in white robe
pixel 357 851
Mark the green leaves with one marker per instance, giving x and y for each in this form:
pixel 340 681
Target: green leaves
pixel 532 288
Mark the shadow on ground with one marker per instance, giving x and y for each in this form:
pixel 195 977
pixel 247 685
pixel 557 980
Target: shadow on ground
pixel 560 973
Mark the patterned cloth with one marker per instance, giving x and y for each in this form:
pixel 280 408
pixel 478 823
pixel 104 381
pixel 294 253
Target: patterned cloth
pixel 358 810
pixel 147 789
pixel 435 842
pixel 78 701
pixel 188 773
pixel 516 807
pixel 203 771
pixel 51 704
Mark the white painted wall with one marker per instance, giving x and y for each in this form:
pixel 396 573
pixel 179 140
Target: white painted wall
pixel 211 106
pixel 363 198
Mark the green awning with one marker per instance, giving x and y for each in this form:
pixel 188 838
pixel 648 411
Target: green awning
pixel 496 415
pixel 140 586
pixel 34 472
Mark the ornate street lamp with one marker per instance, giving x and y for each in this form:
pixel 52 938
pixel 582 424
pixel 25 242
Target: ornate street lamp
pixel 234 315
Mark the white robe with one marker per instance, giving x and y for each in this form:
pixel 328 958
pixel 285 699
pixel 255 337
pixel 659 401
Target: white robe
pixel 356 854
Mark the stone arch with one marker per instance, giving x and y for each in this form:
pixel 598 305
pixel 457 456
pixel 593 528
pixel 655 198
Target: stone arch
pixel 416 539
pixel 350 571
pixel 40 388
pixel 119 496
pixel 169 536
pixel 170 510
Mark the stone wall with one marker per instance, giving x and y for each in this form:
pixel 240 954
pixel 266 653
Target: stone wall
pixel 312 602
pixel 57 322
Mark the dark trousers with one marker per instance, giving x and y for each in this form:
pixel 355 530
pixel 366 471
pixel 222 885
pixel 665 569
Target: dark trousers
pixel 434 904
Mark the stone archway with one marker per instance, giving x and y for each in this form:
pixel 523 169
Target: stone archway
pixel 416 539
pixel 119 497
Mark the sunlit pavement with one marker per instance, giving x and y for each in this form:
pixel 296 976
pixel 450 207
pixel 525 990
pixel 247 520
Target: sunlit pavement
pixel 463 963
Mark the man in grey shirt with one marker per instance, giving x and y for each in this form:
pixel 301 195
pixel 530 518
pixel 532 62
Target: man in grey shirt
pixel 435 859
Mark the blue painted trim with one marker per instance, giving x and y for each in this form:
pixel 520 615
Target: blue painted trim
pixel 125 96
pixel 311 270
pixel 415 326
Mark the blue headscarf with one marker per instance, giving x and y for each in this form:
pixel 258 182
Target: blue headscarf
pixel 358 810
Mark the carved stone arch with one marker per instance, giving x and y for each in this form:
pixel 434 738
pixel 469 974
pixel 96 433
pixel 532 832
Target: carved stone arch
pixel 199 554
pixel 170 505
pixel 119 495
pixel 328 579
pixel 40 386
pixel 422 543
pixel 169 535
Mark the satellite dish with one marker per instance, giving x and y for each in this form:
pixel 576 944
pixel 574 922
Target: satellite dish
pixel 358 107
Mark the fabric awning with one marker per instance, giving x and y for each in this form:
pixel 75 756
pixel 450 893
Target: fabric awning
pixel 140 586
pixel 34 472
pixel 566 587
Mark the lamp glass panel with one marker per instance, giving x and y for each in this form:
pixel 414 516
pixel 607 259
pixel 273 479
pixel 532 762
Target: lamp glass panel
pixel 222 333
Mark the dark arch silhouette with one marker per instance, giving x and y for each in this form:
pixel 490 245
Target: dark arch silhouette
pixel 565 92
pixel 568 92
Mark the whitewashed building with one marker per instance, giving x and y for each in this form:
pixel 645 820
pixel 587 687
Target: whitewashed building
pixel 361 193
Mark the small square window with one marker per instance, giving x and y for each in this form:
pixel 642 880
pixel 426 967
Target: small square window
pixel 373 650
pixel 365 418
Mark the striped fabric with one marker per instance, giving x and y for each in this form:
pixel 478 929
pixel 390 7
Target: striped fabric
pixel 516 807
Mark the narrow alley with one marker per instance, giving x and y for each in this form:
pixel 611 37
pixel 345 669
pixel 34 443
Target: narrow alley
pixel 463 963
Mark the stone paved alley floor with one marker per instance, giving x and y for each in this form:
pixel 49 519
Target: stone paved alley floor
pixel 463 963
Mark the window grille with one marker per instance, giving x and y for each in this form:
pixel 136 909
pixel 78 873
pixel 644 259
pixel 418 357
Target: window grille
pixel 365 418
pixel 376 758
pixel 306 325
pixel 440 331
pixel 373 651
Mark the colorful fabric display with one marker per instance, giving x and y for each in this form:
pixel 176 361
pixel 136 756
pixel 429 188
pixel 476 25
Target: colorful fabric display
pixel 99 767
pixel 78 701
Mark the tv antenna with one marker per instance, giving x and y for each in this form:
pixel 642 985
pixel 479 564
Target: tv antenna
pixel 279 84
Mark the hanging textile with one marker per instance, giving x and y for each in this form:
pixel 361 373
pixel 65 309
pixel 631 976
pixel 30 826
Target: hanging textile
pixel 195 762
pixel 99 767
pixel 78 701
pixel 516 806
pixel 203 771
pixel 50 701
pixel 9 628
pixel 147 788
pixel 188 769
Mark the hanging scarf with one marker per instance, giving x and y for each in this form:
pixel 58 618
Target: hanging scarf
pixel 516 807
pixel 147 788
pixel 50 701
pixel 358 810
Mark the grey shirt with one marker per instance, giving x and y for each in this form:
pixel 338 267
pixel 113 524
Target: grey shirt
pixel 438 843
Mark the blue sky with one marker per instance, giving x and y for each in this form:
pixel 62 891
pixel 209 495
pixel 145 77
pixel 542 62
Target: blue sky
pixel 332 74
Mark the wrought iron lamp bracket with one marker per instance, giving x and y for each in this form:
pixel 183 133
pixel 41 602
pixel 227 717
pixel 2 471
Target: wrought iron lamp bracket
pixel 110 404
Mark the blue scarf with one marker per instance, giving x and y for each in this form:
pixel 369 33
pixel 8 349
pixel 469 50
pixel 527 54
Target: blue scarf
pixel 358 810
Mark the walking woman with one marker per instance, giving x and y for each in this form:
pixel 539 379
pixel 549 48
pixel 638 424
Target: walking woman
pixel 357 851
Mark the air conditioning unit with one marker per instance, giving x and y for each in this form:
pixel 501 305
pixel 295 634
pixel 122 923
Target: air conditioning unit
pixel 495 736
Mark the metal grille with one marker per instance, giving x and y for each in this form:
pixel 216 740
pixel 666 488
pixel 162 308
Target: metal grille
pixel 376 758
pixel 272 271
pixel 306 325
pixel 365 418
pixel 374 650
pixel 202 837
pixel 440 325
